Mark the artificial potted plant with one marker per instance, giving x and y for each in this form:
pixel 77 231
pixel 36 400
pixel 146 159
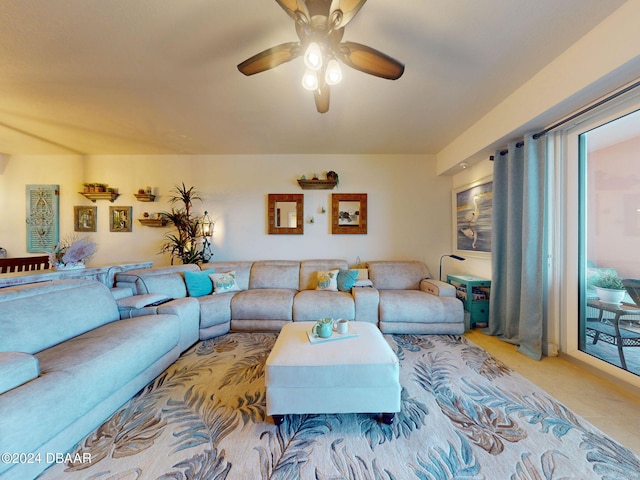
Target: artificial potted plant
pixel 72 253
pixel 331 175
pixel 183 243
pixel 609 287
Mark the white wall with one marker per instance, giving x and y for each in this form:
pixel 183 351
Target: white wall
pixel 66 171
pixel 605 59
pixel 409 207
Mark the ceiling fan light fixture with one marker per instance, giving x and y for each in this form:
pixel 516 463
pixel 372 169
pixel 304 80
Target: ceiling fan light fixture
pixel 313 57
pixel 310 80
pixel 333 74
pixel 320 26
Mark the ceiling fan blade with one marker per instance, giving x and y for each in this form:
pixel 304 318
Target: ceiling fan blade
pixel 270 58
pixel 296 9
pixel 342 12
pixel 321 96
pixel 369 60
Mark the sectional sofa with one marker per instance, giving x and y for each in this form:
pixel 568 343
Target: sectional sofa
pixel 397 296
pixel 81 349
pixel 68 361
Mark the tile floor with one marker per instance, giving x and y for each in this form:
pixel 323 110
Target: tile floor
pixel 613 410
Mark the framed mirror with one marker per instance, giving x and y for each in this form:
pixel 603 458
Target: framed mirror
pixel 349 213
pixel 285 213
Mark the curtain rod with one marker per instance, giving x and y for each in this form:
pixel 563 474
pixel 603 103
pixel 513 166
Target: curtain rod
pixel 611 97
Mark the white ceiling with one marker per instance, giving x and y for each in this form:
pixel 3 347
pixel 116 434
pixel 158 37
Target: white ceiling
pixel 160 76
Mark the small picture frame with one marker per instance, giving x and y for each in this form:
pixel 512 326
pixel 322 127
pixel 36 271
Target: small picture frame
pixel 84 218
pixel 349 213
pixel 120 219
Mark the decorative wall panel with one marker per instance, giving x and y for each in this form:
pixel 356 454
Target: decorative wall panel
pixel 43 218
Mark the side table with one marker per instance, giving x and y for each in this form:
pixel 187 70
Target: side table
pixel 474 292
pixel 610 331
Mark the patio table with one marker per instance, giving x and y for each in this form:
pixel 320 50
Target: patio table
pixel 610 331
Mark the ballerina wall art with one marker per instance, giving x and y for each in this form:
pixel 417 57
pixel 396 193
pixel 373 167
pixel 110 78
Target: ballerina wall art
pixel 473 209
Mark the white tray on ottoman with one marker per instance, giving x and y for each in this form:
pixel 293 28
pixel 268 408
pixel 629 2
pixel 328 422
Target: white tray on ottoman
pixel 355 375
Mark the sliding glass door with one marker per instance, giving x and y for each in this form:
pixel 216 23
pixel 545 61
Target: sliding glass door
pixel 609 242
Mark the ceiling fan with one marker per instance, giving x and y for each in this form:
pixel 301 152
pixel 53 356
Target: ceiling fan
pixel 320 27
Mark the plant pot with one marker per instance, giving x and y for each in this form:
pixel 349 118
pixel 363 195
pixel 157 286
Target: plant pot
pixel 607 295
pixel 69 266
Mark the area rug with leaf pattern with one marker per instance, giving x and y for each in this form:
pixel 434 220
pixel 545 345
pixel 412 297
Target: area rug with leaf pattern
pixel 465 415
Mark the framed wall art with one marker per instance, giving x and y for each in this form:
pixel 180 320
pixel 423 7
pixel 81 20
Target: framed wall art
pixel 285 213
pixel 43 218
pixel 349 213
pixel 84 219
pixel 120 219
pixel 472 218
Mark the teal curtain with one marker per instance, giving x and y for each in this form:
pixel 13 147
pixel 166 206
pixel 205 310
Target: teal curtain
pixel 516 310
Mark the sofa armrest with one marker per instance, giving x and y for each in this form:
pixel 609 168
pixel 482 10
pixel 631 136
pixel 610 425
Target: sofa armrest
pixel 128 282
pixel 121 292
pixel 136 302
pixel 437 288
pixel 367 300
pixel 188 310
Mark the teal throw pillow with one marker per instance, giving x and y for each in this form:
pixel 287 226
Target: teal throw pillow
pixel 347 279
pixel 198 283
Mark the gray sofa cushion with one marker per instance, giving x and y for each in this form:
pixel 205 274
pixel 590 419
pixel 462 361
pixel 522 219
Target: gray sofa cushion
pixel 263 304
pixel 99 354
pixel 41 307
pixel 310 305
pixel 415 306
pixel 397 275
pixel 242 269
pixel 17 368
pixel 78 374
pixel 171 284
pixel 278 274
pixel 215 309
pixel 39 410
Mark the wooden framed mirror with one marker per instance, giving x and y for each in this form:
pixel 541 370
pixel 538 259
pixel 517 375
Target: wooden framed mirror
pixel 349 213
pixel 285 213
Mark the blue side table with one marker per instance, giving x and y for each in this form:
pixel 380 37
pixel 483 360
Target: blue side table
pixel 474 292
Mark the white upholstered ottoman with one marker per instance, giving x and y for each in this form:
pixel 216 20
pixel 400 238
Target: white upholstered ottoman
pixel 350 375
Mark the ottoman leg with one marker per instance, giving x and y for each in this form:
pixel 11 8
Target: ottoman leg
pixel 388 418
pixel 277 419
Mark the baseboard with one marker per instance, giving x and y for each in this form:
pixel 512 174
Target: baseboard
pixel 550 350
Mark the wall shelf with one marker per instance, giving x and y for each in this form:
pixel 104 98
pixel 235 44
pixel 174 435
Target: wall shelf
pixel 317 184
pixel 153 222
pixel 145 197
pixel 111 196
